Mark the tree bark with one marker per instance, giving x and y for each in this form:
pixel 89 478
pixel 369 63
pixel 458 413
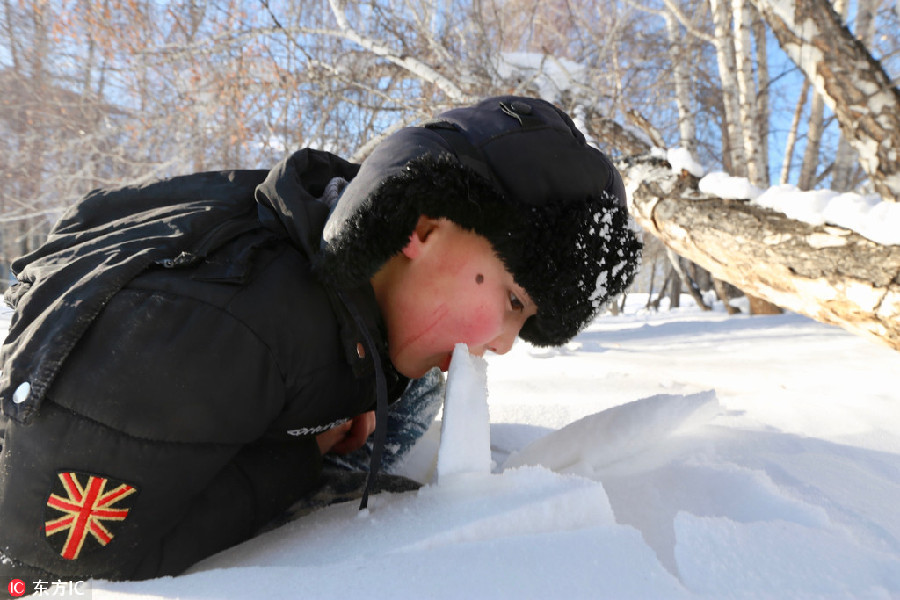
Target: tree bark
pixel 830 274
pixel 814 131
pixel 844 157
pixel 747 92
pixel 677 50
pixel 762 100
pixel 724 44
pixel 722 293
pixel 792 134
pixel 675 261
pixel 851 82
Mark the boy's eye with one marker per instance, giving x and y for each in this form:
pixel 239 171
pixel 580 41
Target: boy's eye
pixel 517 305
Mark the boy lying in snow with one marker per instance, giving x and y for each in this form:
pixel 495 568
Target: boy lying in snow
pixel 183 353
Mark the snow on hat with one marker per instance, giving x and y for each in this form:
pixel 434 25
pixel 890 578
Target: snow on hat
pixel 514 170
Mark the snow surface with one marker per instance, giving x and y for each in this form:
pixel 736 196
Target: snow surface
pixel 662 455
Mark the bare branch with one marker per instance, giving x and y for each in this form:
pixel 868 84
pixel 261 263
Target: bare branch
pixel 675 11
pixel 411 64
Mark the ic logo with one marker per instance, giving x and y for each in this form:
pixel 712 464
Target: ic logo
pixel 16 588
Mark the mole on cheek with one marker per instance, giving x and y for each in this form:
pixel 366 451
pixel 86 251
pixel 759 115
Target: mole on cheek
pixel 479 279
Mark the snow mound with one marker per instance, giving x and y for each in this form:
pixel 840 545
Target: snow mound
pixel 411 546
pixel 597 443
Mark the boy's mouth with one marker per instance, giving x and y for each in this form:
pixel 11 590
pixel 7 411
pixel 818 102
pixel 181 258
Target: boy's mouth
pixel 445 364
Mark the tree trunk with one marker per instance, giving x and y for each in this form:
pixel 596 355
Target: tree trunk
pixel 677 50
pixel 675 291
pixel 830 274
pixel 792 134
pixel 842 171
pixel 667 283
pixel 724 43
pixel 675 261
pixel 844 157
pixel 604 128
pixel 722 292
pixel 762 83
pixel 748 101
pixel 650 285
pixel 851 82
pixel 813 141
pixel 746 86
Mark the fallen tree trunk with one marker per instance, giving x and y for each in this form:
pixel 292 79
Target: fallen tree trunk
pixel 828 273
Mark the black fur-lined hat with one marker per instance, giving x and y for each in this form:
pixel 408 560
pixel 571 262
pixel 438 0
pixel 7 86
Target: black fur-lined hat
pixel 514 170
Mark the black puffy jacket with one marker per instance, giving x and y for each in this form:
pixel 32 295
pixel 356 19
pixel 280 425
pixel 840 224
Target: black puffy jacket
pixel 171 359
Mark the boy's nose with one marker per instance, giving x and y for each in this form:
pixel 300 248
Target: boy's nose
pixel 503 342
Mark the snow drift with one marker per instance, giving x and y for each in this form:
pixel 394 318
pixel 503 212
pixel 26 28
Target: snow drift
pixel 659 455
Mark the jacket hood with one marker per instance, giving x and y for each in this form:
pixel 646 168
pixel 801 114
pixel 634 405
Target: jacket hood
pixel 289 198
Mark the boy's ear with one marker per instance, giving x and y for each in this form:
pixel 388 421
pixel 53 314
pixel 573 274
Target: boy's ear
pixel 419 237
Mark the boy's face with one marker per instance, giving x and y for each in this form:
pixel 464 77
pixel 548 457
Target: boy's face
pixel 447 286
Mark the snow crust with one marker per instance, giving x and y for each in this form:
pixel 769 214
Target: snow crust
pixel 662 455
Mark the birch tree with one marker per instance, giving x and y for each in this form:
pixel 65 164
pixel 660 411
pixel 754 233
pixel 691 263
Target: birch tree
pixel 845 160
pixel 747 92
pixel 736 159
pixel 851 82
pixel 814 130
pixel 683 98
pixel 763 81
pixel 792 133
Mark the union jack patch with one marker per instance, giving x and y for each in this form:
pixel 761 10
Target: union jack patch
pixel 91 506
